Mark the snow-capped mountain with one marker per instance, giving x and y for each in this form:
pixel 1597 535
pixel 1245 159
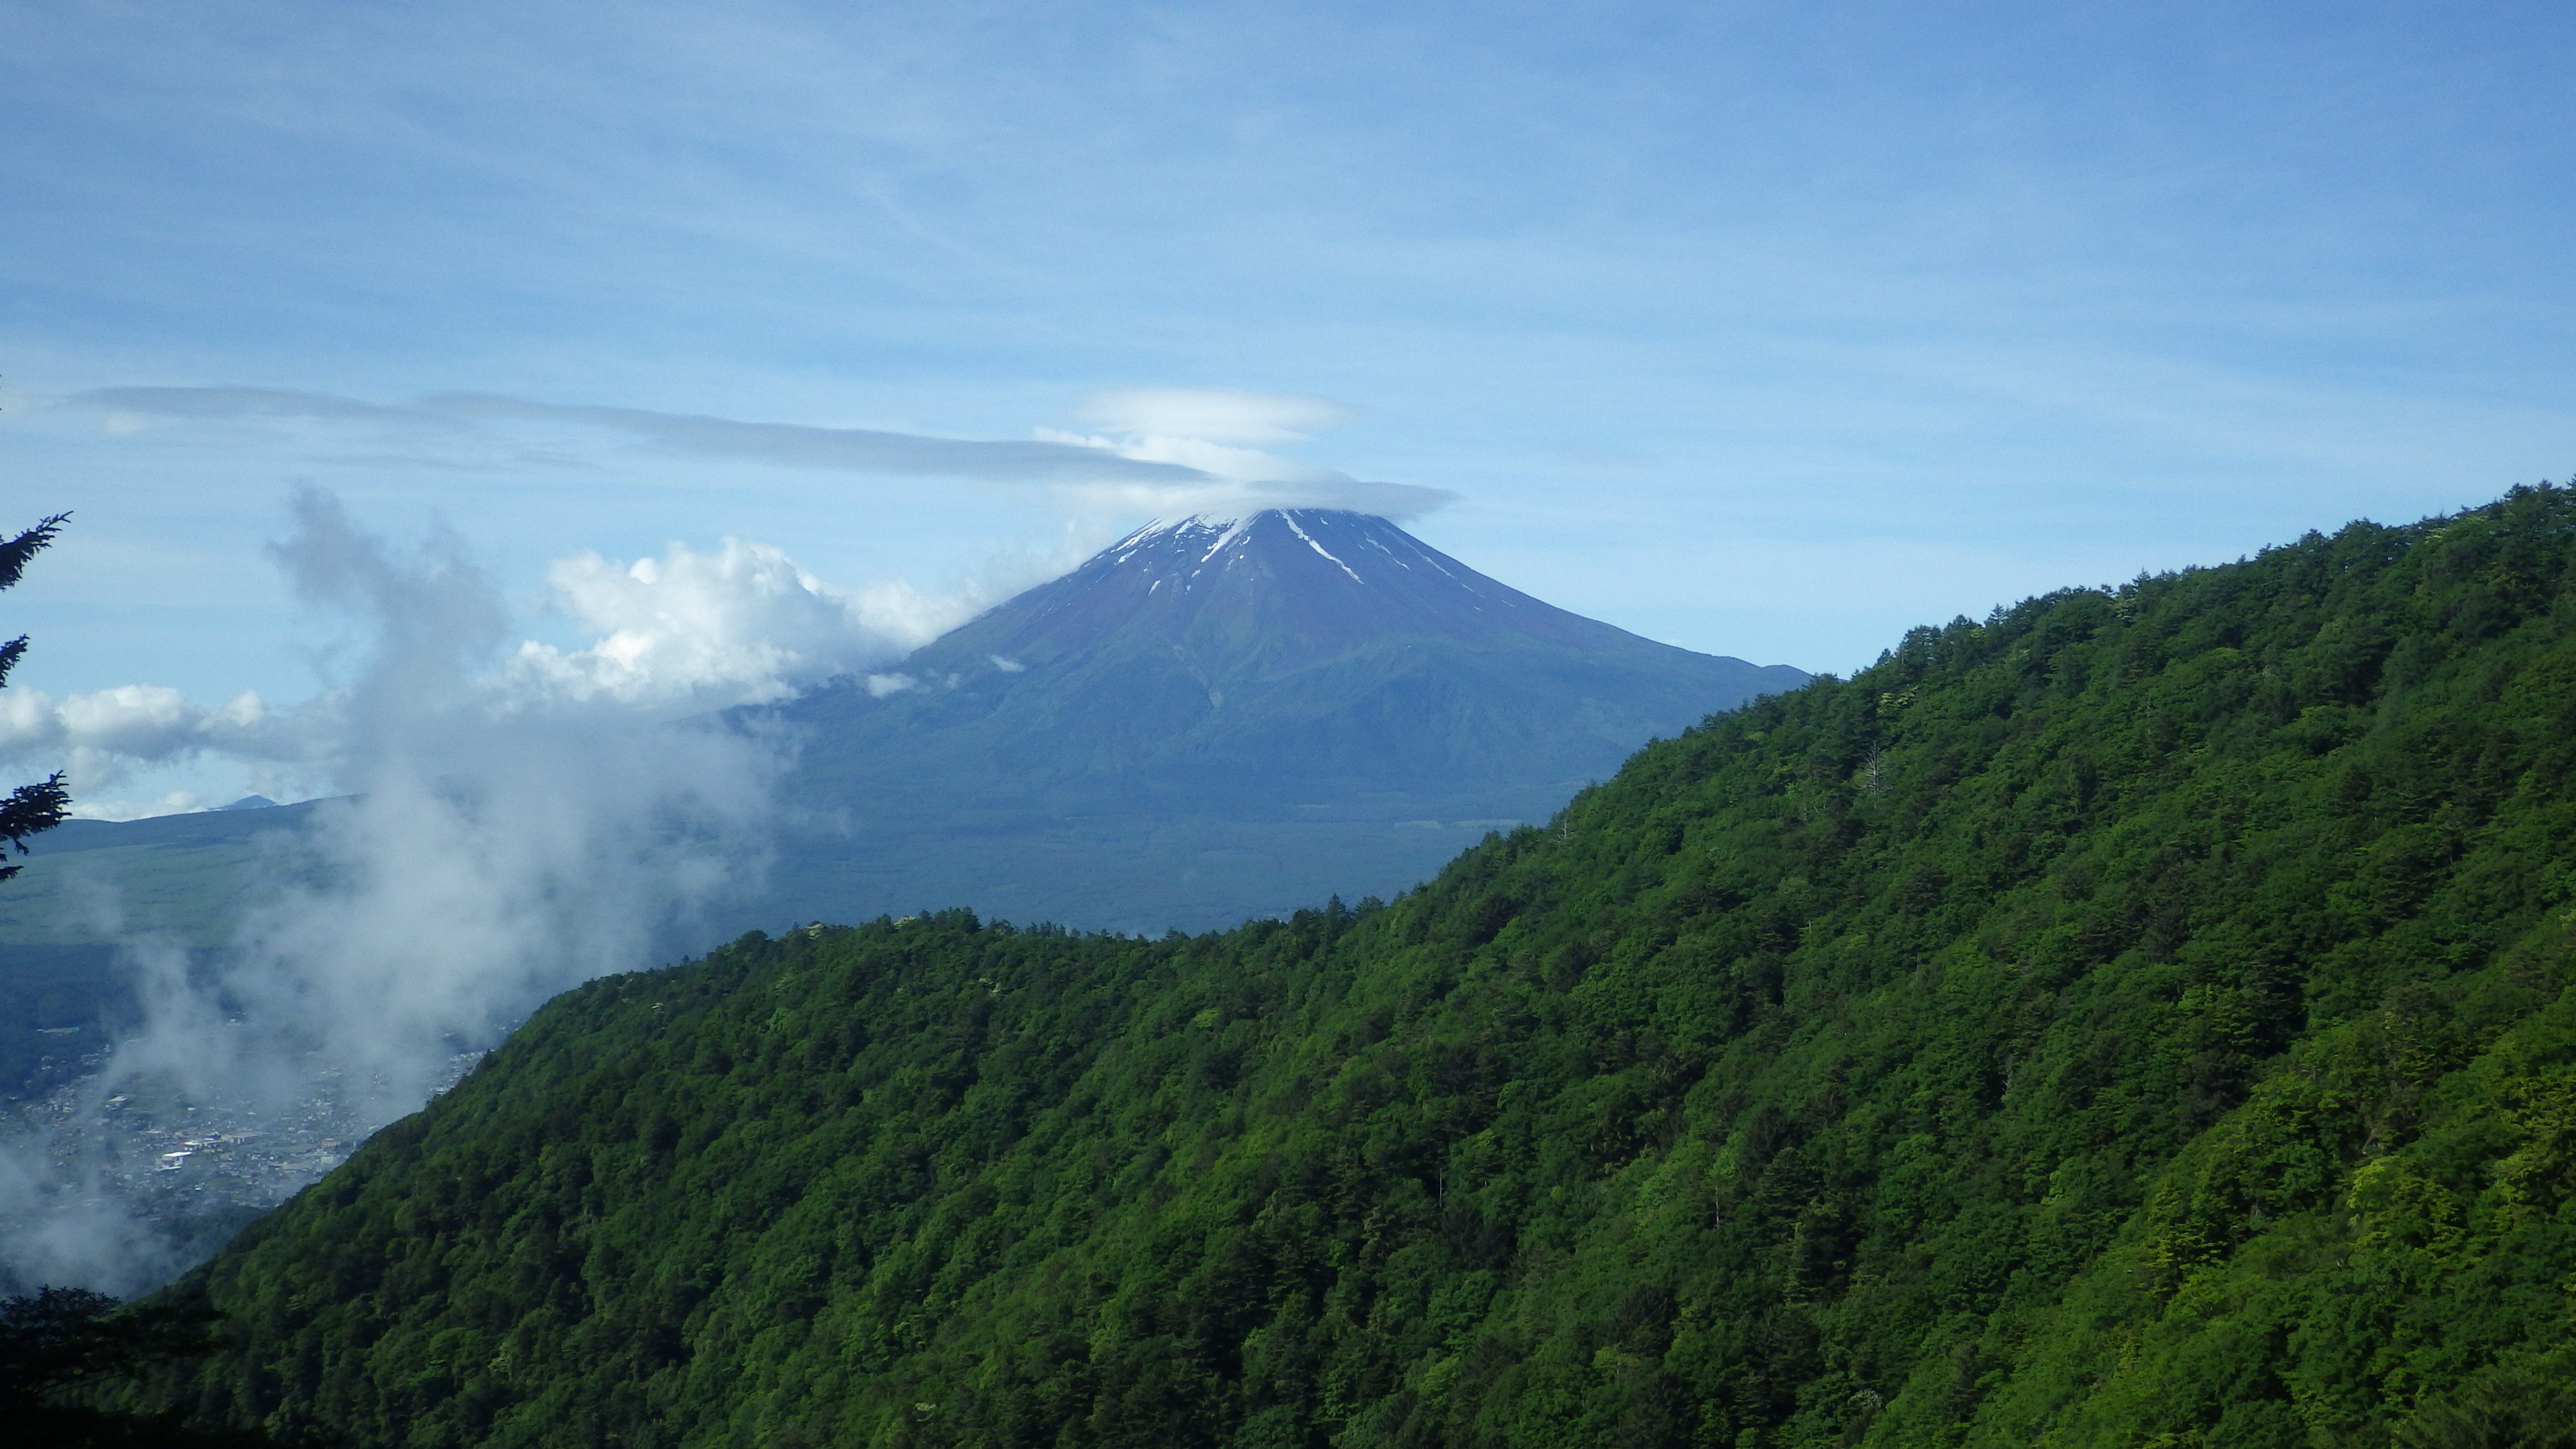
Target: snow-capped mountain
pixel 1283 589
pixel 1214 718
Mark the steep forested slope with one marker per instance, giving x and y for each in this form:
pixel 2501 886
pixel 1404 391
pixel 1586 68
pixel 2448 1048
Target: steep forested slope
pixel 2141 1017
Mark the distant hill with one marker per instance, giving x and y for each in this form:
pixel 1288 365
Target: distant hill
pixel 178 874
pixel 183 877
pixel 2145 1017
pixel 1219 718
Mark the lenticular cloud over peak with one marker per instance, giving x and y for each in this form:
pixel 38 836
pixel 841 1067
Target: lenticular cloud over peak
pixel 1211 433
pixel 1216 414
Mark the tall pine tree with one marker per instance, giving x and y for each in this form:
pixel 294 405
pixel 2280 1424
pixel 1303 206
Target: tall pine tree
pixel 44 804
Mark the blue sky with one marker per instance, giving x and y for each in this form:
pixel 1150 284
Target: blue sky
pixel 1768 330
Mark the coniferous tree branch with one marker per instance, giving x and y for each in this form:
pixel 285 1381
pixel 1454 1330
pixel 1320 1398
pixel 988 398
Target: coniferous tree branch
pixel 29 809
pixel 16 552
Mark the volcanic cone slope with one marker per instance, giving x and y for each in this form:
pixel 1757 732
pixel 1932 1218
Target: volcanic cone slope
pixel 1216 718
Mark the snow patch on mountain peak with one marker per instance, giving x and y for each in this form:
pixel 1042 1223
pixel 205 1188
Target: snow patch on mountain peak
pixel 1182 549
pixel 1291 521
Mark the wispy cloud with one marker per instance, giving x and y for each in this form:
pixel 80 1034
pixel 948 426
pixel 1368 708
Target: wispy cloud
pixel 1167 451
pixel 847 450
pixel 231 403
pixel 788 445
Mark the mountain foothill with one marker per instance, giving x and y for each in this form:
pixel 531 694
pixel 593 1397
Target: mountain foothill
pixel 2139 1017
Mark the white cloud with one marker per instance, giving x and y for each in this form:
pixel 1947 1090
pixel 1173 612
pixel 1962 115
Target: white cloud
pixel 686 632
pixel 100 739
pixel 743 624
pixel 500 842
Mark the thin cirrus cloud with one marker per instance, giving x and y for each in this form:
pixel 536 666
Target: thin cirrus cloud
pixel 217 404
pixel 853 450
pixel 1173 450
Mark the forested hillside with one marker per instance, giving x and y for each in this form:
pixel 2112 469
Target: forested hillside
pixel 2139 1018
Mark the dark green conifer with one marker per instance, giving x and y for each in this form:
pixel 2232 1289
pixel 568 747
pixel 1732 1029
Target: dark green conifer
pixel 45 804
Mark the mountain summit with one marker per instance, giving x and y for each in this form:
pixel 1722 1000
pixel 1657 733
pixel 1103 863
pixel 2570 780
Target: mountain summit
pixel 1214 718
pixel 1299 656
pixel 1284 589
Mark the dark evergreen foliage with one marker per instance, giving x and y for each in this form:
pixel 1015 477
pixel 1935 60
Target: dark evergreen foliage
pixel 58 1341
pixel 2143 1017
pixel 15 554
pixel 29 809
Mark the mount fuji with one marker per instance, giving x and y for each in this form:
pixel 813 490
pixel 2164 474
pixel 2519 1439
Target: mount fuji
pixel 1215 718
